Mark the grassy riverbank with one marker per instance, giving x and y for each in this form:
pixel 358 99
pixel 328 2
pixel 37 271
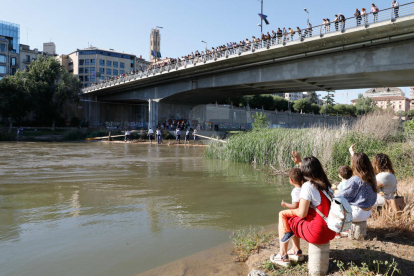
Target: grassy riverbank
pixel 374 133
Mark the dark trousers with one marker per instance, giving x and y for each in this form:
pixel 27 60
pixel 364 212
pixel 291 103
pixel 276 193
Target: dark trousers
pixel 358 19
pixel 396 10
pixel 336 26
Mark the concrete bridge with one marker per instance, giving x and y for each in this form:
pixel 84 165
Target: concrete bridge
pixel 375 54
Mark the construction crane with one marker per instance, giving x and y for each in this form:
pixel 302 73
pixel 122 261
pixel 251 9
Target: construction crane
pixel 347 93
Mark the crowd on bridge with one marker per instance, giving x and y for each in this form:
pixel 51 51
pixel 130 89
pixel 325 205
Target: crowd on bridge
pixel 280 36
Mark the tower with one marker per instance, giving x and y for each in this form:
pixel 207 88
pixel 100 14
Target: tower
pixel 412 98
pixel 155 43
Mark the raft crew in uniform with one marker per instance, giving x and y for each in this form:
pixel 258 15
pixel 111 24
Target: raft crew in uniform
pixel 127 135
pixel 195 136
pixel 159 137
pixel 151 135
pixel 178 135
pixel 187 136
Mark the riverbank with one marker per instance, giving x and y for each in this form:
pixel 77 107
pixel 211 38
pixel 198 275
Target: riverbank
pixel 389 241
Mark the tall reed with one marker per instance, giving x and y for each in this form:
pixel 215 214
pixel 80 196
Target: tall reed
pixel 376 132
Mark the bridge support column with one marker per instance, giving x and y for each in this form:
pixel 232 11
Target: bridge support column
pixel 153 113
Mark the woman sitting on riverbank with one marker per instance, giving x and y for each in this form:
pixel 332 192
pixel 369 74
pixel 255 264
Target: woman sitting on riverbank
pixel 361 189
pixel 308 224
pixel 385 176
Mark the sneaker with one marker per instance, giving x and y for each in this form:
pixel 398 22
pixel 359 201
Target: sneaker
pixel 287 237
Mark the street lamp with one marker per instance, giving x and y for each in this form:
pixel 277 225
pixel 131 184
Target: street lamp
pixel 205 43
pixel 306 10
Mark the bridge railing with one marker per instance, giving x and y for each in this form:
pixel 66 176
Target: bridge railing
pixel 389 14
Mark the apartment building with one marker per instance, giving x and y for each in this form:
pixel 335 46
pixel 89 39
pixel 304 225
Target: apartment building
pixel 93 64
pixel 383 92
pixel 9 48
pixel 397 103
pixel 294 96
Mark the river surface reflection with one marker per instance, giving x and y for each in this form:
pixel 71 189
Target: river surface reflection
pixel 115 209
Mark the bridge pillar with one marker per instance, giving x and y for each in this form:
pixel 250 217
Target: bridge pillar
pixel 153 113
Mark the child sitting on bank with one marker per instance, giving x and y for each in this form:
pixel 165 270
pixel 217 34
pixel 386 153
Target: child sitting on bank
pixel 345 173
pixel 295 179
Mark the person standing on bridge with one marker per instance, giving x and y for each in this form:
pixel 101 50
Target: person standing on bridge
pixel 310 29
pixel 357 15
pixel 292 33
pixel 364 15
pixel 396 7
pixel 336 21
pixel 298 30
pixel 374 11
pixel 328 25
pixel 279 35
pixel 285 35
pixel 342 20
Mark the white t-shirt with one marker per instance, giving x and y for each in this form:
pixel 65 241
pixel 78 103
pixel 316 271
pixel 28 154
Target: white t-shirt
pixel 127 133
pixel 158 132
pixel 311 193
pixel 295 195
pixel 151 131
pixel 390 184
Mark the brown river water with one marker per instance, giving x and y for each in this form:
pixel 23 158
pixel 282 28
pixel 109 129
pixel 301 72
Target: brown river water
pixel 123 209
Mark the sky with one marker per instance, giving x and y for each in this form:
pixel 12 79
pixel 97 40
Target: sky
pixel 125 25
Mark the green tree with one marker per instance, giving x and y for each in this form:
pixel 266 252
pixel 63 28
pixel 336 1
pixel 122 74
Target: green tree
pixel 329 110
pixel 364 105
pixel 260 121
pixel 51 86
pixel 315 108
pixel 329 99
pixel 15 101
pixel 262 101
pixel 313 97
pixel 302 105
pixel 280 103
pixel 410 113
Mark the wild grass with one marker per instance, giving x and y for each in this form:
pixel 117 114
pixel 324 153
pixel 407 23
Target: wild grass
pixel 247 241
pixel 374 133
pixel 394 223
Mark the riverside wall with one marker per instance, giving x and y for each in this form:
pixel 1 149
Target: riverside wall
pixel 206 116
pixel 229 117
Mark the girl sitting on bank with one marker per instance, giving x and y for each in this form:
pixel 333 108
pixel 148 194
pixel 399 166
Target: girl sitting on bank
pixel 361 189
pixel 308 224
pixel 386 180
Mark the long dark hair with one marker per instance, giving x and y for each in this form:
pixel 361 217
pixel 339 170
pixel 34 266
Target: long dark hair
pixel 312 171
pixel 382 163
pixel 362 167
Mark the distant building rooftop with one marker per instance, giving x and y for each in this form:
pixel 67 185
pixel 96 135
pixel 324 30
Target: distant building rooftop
pixel 383 91
pixel 386 98
pixel 101 51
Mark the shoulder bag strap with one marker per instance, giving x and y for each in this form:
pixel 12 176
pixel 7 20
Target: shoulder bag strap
pixel 329 197
pixel 319 212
